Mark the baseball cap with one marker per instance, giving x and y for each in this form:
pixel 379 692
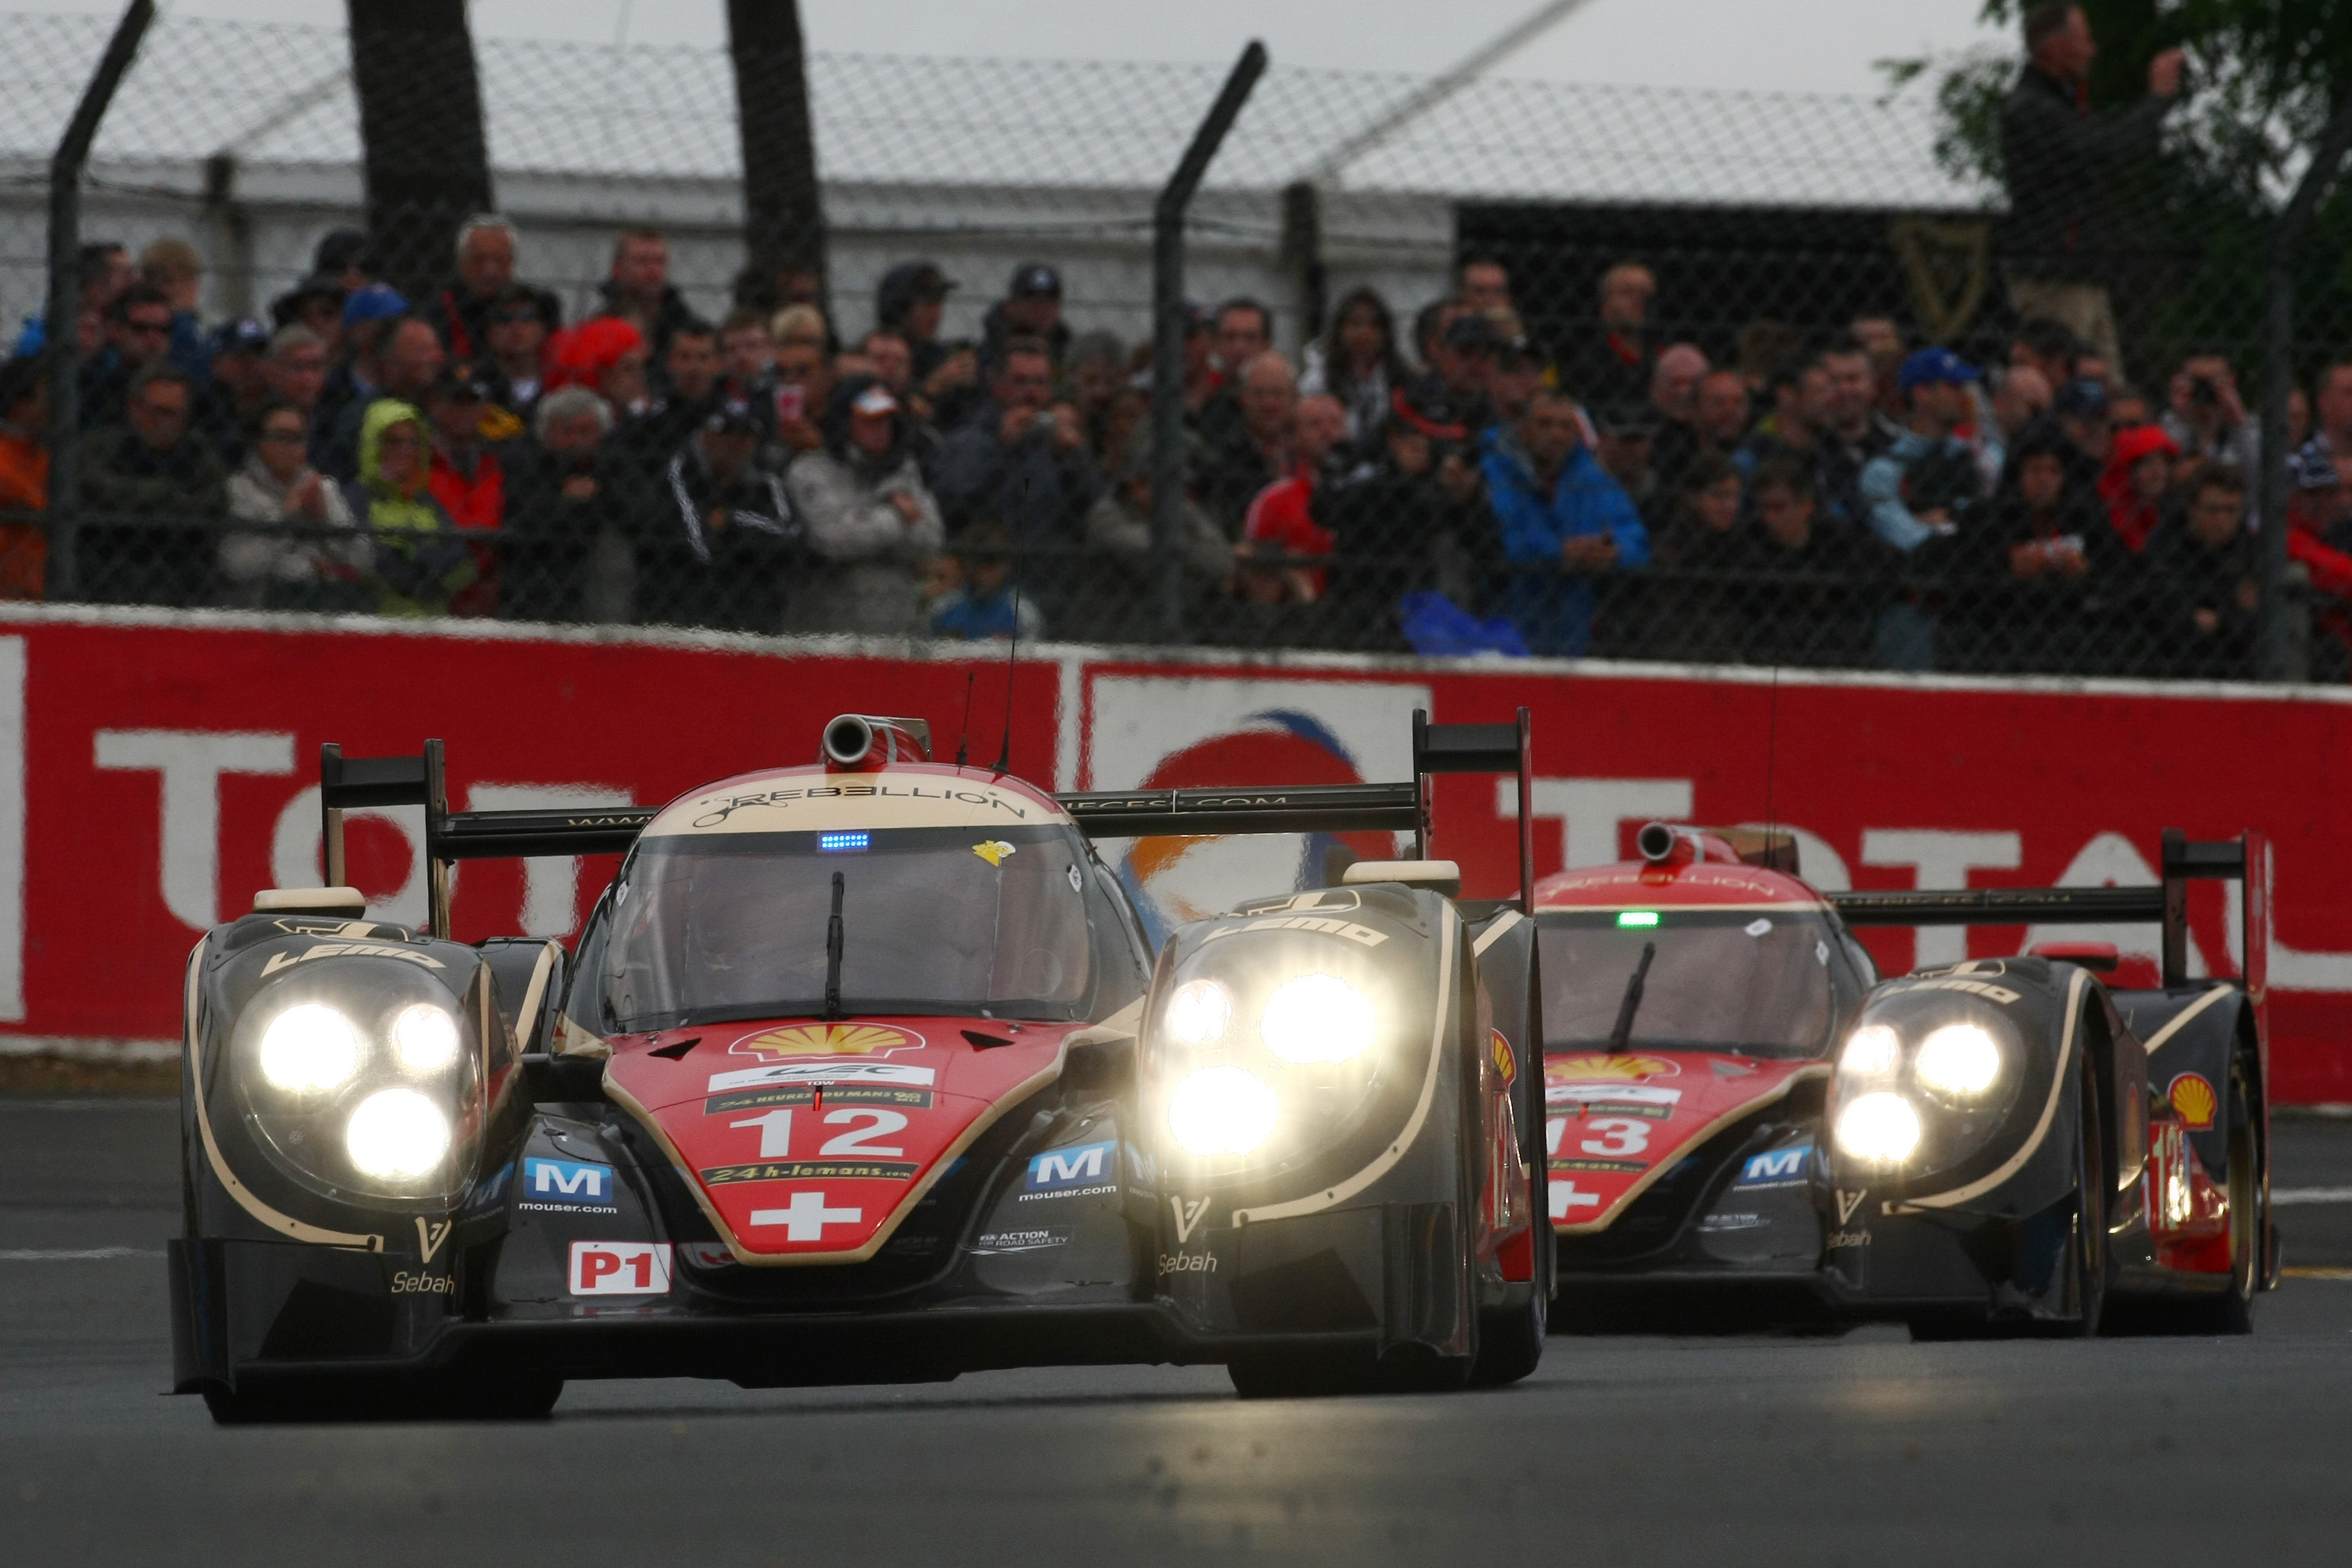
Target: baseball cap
pixel 243 336
pixel 1035 279
pixel 732 417
pixel 373 302
pixel 1628 420
pixel 342 249
pixel 1935 367
pixel 2311 467
pixel 928 282
pixel 462 378
pixel 1473 333
pixel 875 400
pixel 2081 399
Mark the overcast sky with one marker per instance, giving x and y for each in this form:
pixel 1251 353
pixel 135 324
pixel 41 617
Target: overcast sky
pixel 1811 45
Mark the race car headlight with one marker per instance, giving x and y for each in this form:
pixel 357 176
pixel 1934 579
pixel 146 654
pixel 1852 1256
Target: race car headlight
pixel 1881 1128
pixel 397 1136
pixel 360 1077
pixel 1871 1052
pixel 1317 1018
pixel 1222 1110
pixel 1959 1061
pixel 309 1048
pixel 1259 1053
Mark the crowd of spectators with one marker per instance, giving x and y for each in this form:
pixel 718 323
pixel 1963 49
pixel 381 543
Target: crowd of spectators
pixel 1444 482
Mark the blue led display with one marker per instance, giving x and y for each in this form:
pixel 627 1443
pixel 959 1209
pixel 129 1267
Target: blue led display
pixel 835 843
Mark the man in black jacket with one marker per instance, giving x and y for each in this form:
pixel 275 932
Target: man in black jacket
pixel 2063 162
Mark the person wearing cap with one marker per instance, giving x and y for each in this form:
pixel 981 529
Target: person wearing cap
pixel 406 356
pixel 1032 307
pixel 466 475
pixel 1624 438
pixel 1462 362
pixel 1919 488
pixel 1563 521
pixel 283 565
pixel 723 548
pixel 515 329
pixel 2318 502
pixel 240 385
pixel 367 316
pixel 2084 413
pixel 316 302
pixel 347 257
pixel 869 520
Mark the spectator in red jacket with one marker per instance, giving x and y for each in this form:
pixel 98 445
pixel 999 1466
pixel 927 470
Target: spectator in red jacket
pixel 1281 516
pixel 2139 476
pixel 465 476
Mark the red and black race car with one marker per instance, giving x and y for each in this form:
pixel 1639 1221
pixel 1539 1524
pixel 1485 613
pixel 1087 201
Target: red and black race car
pixel 1744 1123
pixel 862 1071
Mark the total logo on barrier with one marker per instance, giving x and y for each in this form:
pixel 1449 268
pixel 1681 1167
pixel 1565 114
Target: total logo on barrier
pixel 620 1269
pixel 565 1184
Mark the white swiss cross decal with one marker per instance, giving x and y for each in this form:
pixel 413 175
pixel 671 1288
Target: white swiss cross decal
pixel 1565 1199
pixel 806 1217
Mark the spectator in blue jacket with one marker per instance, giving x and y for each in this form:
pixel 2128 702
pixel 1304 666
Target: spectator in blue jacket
pixel 1918 487
pixel 1563 517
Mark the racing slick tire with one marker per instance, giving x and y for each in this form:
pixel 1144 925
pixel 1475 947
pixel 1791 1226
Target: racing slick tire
pixel 524 1396
pixel 1510 1343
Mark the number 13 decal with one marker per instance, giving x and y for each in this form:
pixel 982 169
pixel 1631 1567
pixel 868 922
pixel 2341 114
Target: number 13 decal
pixel 1619 1135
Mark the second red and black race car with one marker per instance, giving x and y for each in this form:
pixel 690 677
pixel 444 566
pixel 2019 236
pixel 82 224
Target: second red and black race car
pixel 1745 1123
pixel 862 1071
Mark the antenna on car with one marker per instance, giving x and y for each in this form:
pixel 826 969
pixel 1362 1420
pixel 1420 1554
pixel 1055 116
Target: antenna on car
pixel 963 741
pixel 1771 750
pixel 1012 664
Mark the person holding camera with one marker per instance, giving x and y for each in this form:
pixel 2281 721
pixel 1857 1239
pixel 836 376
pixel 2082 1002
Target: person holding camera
pixel 1023 459
pixel 2208 421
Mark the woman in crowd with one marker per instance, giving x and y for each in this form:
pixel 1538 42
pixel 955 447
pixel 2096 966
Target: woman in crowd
pixel 1357 362
pixel 868 519
pixel 291 567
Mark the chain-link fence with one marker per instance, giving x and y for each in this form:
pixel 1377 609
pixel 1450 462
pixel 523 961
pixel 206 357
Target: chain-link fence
pixel 1476 366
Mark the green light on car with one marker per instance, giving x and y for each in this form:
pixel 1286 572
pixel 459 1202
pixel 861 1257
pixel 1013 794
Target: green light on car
pixel 1637 918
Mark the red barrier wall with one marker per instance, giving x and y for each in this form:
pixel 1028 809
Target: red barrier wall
pixel 156 768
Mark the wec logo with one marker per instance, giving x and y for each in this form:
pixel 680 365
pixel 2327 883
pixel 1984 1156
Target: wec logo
pixel 1059 1170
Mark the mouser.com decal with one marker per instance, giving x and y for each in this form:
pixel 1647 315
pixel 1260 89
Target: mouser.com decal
pixel 1082 1170
pixel 620 1269
pixel 566 1186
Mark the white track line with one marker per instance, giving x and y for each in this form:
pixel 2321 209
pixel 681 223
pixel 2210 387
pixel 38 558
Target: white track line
pixel 74 1255
pixel 2312 1195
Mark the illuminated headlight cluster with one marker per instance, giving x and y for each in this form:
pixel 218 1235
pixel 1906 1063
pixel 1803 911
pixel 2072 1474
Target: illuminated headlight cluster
pixel 360 1084
pixel 1244 1063
pixel 1895 1089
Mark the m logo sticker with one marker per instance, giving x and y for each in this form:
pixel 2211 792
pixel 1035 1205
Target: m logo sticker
pixel 1064 1169
pixel 567 1183
pixel 1776 1167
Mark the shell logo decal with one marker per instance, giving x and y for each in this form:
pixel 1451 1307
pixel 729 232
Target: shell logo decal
pixel 2194 1099
pixel 1505 1063
pixel 823 1040
pixel 1602 1069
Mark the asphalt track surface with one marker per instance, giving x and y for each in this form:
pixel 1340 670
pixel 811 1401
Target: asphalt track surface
pixel 1863 1449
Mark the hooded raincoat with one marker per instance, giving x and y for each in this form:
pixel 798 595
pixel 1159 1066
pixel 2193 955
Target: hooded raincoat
pixel 418 561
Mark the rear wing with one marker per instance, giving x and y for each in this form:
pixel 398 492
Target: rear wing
pixel 2244 860
pixel 347 783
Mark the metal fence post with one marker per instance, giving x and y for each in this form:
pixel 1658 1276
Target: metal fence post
pixel 1168 337
pixel 2273 656
pixel 61 327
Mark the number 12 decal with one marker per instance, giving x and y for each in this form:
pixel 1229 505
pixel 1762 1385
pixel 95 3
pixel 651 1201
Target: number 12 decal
pixel 775 1128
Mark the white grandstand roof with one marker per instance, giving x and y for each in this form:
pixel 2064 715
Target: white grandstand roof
pixel 278 95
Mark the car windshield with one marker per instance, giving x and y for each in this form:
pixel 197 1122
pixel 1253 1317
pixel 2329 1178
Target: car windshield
pixel 708 928
pixel 1762 983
